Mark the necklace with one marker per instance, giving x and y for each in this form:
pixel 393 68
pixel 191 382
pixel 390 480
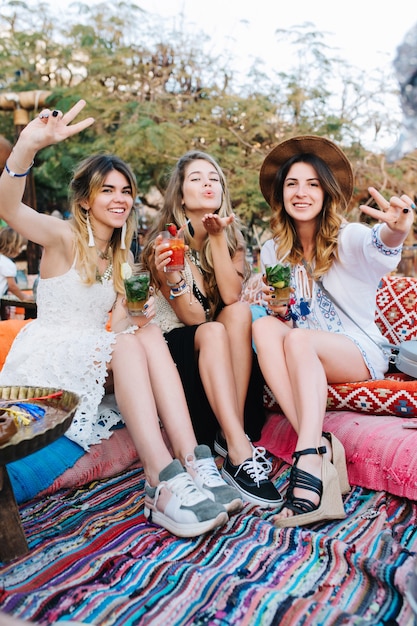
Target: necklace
pixel 203 300
pixel 104 240
pixel 194 255
pixel 107 274
pixel 106 255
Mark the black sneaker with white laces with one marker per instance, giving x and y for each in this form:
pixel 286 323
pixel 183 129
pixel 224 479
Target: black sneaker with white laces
pixel 250 478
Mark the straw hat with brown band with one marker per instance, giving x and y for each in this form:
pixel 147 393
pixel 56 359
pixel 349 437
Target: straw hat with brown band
pixel 312 144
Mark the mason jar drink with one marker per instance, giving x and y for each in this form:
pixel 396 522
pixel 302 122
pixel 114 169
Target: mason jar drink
pixel 279 277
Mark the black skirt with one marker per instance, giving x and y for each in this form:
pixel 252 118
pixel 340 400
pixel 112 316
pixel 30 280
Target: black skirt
pixel 181 345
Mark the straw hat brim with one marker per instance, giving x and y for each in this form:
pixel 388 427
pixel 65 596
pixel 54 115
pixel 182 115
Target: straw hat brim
pixel 320 146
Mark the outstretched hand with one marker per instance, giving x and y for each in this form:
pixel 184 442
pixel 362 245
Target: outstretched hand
pixel 397 213
pixel 214 224
pixel 51 127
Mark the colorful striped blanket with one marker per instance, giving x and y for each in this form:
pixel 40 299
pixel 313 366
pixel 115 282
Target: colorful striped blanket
pixel 94 559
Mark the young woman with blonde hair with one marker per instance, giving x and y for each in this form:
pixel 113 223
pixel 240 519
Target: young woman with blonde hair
pixel 207 326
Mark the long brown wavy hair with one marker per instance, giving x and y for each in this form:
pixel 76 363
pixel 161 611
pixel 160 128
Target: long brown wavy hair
pixel 86 183
pixel 173 211
pixel 329 219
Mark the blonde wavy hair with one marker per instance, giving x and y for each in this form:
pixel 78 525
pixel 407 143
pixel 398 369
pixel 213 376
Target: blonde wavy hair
pixel 173 212
pixel 329 219
pixel 11 242
pixel 86 183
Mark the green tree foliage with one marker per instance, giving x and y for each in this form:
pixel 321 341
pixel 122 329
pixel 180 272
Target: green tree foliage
pixel 156 92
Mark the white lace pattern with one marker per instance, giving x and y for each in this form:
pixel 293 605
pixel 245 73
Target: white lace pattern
pixel 68 347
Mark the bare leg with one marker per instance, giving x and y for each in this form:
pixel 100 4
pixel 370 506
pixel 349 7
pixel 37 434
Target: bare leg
pixel 269 335
pixel 305 360
pixel 237 320
pixel 216 372
pixel 146 381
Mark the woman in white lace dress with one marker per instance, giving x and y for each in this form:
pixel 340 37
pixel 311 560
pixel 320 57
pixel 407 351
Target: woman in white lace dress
pixel 68 345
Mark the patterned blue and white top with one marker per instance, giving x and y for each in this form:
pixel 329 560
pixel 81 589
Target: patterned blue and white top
pixel 353 281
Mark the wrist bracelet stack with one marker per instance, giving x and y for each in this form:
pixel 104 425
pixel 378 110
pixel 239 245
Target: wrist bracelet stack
pixel 177 289
pixel 285 318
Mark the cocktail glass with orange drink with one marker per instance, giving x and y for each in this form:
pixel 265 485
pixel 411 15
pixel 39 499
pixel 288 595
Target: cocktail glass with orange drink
pixel 175 240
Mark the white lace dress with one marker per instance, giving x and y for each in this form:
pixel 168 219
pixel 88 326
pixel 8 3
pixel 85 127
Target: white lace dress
pixel 67 347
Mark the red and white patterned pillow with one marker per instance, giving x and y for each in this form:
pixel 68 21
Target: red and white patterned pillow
pixel 396 394
pixel 396 310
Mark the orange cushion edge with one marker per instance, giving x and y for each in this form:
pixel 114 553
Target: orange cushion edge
pixel 8 331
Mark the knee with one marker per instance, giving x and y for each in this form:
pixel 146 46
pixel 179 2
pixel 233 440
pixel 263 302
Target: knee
pixel 209 334
pixel 263 327
pixel 149 335
pixel 297 341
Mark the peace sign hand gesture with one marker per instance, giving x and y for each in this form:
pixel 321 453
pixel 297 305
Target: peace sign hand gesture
pixel 51 127
pixel 397 214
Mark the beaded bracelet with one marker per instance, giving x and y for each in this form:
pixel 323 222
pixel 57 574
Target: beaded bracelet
pixel 174 293
pixel 14 175
pixel 285 318
pixel 182 279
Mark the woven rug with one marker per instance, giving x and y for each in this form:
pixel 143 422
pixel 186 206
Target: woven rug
pixel 94 559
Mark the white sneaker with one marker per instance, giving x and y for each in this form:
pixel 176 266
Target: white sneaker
pixel 207 477
pixel 179 506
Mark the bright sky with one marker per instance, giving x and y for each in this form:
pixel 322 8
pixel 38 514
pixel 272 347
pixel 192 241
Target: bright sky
pixel 363 33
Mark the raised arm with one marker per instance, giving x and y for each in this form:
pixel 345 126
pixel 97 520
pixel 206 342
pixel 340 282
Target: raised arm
pixel 48 128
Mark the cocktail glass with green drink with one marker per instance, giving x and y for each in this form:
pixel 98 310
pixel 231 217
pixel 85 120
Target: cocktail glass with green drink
pixel 279 277
pixel 136 281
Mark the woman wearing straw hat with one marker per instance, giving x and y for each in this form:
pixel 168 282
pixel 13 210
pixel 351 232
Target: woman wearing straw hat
pixel 327 333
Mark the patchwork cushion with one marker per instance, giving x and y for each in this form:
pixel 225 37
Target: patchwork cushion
pixel 380 453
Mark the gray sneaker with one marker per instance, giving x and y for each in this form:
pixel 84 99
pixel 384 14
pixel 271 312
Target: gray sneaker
pixel 179 506
pixel 207 477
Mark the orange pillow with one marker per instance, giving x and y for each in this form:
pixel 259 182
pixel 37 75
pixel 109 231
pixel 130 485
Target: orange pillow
pixel 8 331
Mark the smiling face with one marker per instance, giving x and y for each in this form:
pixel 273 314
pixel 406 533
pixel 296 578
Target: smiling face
pixel 111 205
pixel 303 193
pixel 202 188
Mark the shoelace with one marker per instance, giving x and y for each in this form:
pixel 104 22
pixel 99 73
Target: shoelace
pixel 260 457
pixel 183 487
pixel 258 467
pixel 206 468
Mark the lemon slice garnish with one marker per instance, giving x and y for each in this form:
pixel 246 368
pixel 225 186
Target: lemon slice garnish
pixel 126 271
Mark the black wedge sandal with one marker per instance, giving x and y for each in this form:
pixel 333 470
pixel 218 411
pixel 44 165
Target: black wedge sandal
pixel 328 490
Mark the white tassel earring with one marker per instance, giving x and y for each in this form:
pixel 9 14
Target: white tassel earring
pixel 91 242
pixel 123 237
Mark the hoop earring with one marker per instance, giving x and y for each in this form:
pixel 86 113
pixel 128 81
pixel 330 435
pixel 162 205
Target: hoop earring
pixel 91 242
pixel 123 237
